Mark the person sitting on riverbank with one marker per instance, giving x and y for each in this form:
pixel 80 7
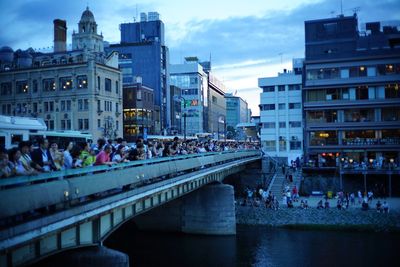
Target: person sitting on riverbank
pixel 290 204
pixel 306 204
pixel 385 207
pixel 379 206
pixel 327 206
pixel 352 199
pixel 319 205
pixel 339 204
pixel 364 206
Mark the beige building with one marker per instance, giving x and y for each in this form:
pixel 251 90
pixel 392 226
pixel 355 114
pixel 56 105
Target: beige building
pixel 77 90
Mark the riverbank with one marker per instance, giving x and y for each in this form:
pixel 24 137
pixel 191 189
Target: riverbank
pixel 352 219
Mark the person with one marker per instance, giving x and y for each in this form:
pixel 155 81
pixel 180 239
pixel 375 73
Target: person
pixel 352 199
pixel 305 204
pixel 295 194
pixel 120 155
pixel 77 162
pixel 385 207
pixel 319 205
pixel 88 155
pixel 327 204
pixel 290 204
pixel 57 156
pixel 359 196
pixel 26 159
pixel 301 204
pixel 5 165
pixel 17 167
pixel 364 205
pixel 68 156
pixel 138 153
pixel 379 206
pixel 103 158
pixel 339 204
pixel 42 156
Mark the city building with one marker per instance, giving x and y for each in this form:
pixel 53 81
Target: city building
pixel 176 110
pixel 138 110
pixel 71 90
pixel 351 92
pixel 236 110
pixel 216 106
pixel 191 78
pixel 143 53
pixel 281 114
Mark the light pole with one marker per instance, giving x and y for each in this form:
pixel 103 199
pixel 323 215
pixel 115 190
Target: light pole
pixel 184 115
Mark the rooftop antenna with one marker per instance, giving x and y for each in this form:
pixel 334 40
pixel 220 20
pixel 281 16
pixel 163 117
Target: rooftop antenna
pixel 356 9
pixel 341 7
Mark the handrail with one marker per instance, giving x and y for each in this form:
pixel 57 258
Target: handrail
pixel 15 180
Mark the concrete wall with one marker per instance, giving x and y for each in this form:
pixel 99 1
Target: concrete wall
pixel 209 210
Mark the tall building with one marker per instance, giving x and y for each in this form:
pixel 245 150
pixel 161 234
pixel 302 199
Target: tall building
pixel 351 92
pixel 191 78
pixel 138 111
pixel 143 53
pixel 281 114
pixel 216 106
pixel 71 90
pixel 236 110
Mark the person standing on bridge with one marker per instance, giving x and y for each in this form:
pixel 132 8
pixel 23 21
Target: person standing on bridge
pixel 42 156
pixel 103 158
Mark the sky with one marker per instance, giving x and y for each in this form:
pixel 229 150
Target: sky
pixel 245 40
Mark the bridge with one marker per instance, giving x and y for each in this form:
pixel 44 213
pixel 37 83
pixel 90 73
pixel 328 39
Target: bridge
pixel 53 212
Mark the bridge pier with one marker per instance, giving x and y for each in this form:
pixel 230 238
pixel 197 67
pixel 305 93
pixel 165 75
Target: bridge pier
pixel 99 256
pixel 209 210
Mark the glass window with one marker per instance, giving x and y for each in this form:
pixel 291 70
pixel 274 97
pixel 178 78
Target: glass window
pixel 282 124
pixel 267 107
pixel 35 86
pixel 344 73
pixel 66 83
pixel 371 71
pixel 6 88
pixel 294 87
pixel 295 145
pixel 294 124
pixel 269 145
pixel 82 81
pixel 294 105
pixel 49 85
pixel 267 89
pixel 107 85
pixel 282 106
pixel 116 87
pixel 281 88
pixel 269 125
pixel 22 87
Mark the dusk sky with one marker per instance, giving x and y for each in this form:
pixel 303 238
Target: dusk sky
pixel 246 41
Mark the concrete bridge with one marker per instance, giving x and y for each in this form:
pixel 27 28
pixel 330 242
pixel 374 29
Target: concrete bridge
pixel 82 207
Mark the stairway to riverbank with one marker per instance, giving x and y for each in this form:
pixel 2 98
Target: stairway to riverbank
pixel 280 182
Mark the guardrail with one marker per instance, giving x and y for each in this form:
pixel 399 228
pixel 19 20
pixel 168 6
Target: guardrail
pixel 66 187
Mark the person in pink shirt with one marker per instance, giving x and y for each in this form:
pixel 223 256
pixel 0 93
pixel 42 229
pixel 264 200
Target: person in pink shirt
pixel 103 158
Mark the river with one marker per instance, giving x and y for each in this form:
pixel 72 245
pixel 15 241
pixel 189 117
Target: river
pixel 257 246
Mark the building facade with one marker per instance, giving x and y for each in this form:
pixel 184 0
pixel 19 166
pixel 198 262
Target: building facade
pixel 216 107
pixel 71 90
pixel 281 114
pixel 236 110
pixel 143 53
pixel 191 78
pixel 351 92
pixel 138 111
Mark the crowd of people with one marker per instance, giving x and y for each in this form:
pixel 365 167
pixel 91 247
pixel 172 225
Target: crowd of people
pixel 27 160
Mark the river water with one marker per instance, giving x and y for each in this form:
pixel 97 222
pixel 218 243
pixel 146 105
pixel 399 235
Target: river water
pixel 258 246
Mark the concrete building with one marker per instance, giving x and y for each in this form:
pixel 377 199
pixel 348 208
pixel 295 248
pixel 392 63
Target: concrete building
pixel 176 110
pixel 71 90
pixel 216 106
pixel 281 114
pixel 138 111
pixel 191 78
pixel 351 92
pixel 236 110
pixel 143 53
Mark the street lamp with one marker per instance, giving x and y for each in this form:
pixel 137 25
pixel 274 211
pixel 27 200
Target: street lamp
pixel 184 115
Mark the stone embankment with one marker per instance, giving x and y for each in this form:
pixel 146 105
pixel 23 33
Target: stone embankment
pixel 353 219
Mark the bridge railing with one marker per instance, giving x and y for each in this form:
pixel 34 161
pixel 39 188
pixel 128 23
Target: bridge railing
pixel 25 194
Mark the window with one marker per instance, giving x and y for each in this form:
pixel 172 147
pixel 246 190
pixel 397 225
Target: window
pixel 98 105
pixel 281 88
pixel 282 106
pixel 85 104
pixel 269 125
pixel 294 87
pixel 83 124
pixel 98 123
pixel 294 105
pixel 282 124
pixel 80 104
pixel 65 124
pixel 66 83
pixel 49 85
pixel 6 88
pixel 107 85
pixel 295 145
pixel 50 124
pixel 344 73
pixel 35 107
pixel 294 124
pixel 267 107
pixel 22 87
pixel 116 107
pixel 98 83
pixel 35 86
pixel 82 81
pixel 269 145
pixel 116 87
pixel 267 89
